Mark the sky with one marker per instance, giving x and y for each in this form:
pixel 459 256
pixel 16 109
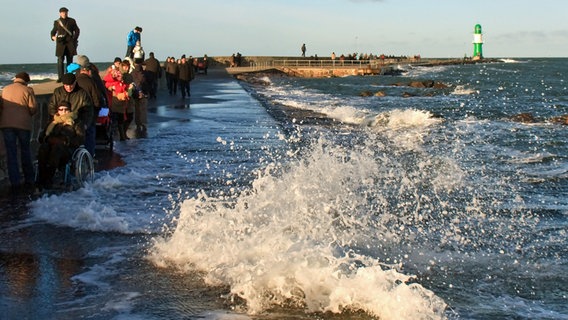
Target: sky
pixel 430 28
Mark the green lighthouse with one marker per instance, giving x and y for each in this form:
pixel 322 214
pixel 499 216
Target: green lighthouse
pixel 477 43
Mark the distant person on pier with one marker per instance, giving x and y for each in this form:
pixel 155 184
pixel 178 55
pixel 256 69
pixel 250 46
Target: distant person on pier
pixel 131 40
pixel 65 33
pixel 239 59
pixel 17 106
pixel 139 54
pixel 303 50
pixel 172 75
pixel 140 96
pixel 153 65
pixel 205 64
pixel 186 73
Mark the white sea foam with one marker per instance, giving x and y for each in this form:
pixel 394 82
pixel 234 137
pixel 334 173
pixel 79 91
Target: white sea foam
pixel 508 60
pixel 417 71
pixel 463 90
pixel 290 240
pixel 346 114
pixel 88 208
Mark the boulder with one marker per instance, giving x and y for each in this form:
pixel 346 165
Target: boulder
pixel 524 118
pixel 560 120
pixel 380 94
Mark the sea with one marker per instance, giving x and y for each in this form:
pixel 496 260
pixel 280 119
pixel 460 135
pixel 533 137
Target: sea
pixel 436 193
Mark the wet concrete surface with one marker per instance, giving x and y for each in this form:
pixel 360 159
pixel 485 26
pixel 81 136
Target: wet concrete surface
pixel 164 110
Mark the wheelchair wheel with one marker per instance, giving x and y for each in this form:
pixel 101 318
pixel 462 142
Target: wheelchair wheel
pixel 84 169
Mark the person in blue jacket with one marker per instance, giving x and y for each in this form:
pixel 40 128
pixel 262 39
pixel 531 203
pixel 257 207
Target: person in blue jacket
pixel 131 39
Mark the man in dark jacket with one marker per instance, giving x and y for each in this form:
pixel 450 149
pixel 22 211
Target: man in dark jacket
pixel 186 74
pixel 81 103
pixel 153 65
pixel 65 33
pixel 87 83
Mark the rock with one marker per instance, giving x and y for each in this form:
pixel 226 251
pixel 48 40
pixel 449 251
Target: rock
pixel 559 120
pixel 380 94
pixel 439 85
pixel 524 118
pixel 417 84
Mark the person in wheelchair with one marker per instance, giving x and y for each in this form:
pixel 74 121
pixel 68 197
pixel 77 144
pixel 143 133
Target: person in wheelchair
pixel 61 137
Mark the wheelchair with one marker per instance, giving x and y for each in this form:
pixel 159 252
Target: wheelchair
pixel 78 171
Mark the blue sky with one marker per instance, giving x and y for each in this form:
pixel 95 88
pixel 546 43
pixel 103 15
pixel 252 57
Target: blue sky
pixel 431 28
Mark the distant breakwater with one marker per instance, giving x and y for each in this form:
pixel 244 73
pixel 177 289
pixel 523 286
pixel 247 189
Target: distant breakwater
pixel 312 67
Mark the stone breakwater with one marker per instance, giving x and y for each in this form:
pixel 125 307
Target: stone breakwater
pixel 326 67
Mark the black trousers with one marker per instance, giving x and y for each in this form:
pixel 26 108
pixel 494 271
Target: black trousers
pixel 61 69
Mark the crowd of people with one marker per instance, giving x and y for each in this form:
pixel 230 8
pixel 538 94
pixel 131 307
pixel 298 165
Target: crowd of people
pixel 368 56
pixel 121 93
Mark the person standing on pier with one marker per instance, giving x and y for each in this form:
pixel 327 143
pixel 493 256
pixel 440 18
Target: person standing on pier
pixel 185 74
pixel 153 66
pixel 304 50
pixel 132 39
pixel 65 33
pixel 17 106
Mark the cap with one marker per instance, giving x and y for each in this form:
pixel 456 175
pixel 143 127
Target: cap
pixel 83 61
pixel 68 78
pixel 63 9
pixel 72 67
pixel 23 75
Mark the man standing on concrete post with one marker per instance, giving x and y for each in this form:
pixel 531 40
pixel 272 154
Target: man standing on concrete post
pixel 65 33
pixel 303 50
pixel 18 105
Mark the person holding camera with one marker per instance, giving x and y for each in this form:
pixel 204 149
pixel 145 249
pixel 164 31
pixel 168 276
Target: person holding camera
pixel 65 33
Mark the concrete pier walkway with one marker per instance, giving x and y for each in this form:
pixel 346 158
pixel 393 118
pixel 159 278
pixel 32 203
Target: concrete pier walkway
pixel 217 101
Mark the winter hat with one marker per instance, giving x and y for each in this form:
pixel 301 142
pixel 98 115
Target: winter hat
pixel 24 76
pixel 68 78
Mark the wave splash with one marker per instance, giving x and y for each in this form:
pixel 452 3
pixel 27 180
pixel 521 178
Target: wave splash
pixel 314 234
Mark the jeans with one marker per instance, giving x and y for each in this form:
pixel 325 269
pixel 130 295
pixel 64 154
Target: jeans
pixel 11 138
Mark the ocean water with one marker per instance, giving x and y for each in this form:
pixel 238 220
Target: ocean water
pixel 39 73
pixel 422 203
